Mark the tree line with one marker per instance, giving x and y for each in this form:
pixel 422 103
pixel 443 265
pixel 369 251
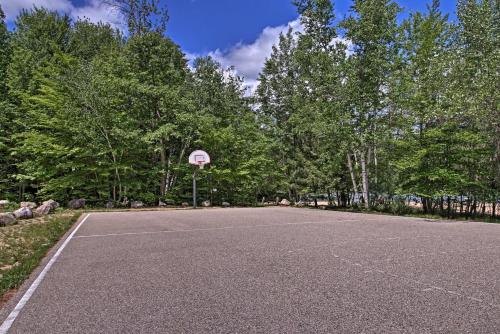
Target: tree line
pixel 371 110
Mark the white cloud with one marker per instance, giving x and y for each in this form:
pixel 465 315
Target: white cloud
pixel 248 59
pixel 13 7
pixel 97 11
pixel 93 10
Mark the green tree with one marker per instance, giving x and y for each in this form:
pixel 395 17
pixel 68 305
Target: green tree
pixel 88 40
pixel 275 95
pixel 372 30
pixel 475 94
pixel 4 55
pixel 5 106
pixel 422 88
pixel 242 169
pixel 143 16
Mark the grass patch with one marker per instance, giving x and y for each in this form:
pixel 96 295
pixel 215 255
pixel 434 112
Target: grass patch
pixel 23 246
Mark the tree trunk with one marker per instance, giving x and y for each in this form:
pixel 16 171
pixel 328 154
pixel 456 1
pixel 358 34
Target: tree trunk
pixel 375 162
pixel 364 178
pixel 163 164
pixel 474 208
pixel 353 177
pixel 343 199
pixel 497 154
pixel 449 207
pixel 426 205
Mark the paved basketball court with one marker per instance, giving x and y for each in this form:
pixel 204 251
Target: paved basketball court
pixel 270 270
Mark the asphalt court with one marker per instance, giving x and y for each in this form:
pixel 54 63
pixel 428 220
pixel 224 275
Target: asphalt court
pixel 268 270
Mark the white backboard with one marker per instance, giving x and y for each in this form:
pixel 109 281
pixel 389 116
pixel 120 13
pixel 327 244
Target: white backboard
pixel 199 158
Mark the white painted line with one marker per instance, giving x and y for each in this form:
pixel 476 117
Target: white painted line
pixel 209 229
pixel 27 295
pixel 453 293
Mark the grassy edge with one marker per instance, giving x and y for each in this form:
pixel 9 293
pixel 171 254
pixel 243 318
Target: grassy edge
pixel 13 278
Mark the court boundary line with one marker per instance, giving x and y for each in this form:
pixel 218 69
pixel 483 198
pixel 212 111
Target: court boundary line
pixel 7 324
pixel 212 229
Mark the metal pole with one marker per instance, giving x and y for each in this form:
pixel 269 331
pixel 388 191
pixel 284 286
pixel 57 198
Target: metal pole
pixel 194 189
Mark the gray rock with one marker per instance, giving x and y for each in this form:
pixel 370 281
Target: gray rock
pixel 23 213
pixel 185 204
pixel 4 202
pixel 30 205
pixel 285 202
pixel 110 205
pixel 226 204
pixel 136 204
pixel 162 204
pixel 206 204
pixel 44 209
pixel 300 204
pixel 7 218
pixel 53 204
pixel 76 203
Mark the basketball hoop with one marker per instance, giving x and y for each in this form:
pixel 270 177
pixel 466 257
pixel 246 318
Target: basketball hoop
pixel 198 158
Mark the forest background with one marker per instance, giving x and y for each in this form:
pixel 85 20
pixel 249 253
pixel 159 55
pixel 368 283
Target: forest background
pixel 367 112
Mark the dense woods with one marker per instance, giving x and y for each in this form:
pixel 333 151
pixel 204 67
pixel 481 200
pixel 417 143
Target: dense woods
pixel 379 110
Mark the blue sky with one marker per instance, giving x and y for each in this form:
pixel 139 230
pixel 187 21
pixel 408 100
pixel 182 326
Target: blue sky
pixel 237 33
pixel 203 25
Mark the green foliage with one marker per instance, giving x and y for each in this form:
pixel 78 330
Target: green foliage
pixel 358 110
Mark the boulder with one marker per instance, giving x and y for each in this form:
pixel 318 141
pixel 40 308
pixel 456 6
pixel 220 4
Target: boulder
pixel 30 205
pixel 136 204
pixel 161 204
pixel 226 204
pixel 300 204
pixel 110 205
pixel 285 202
pixel 47 207
pixel 53 204
pixel 7 218
pixel 44 209
pixel 4 202
pixel 23 213
pixel 206 204
pixel 76 203
pixel 185 204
